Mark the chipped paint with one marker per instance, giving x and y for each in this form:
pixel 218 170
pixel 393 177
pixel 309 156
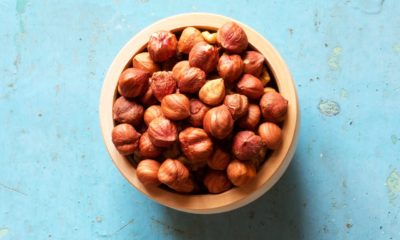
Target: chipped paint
pixel 344 93
pixel 3 232
pixel 396 47
pixel 334 58
pixel 329 108
pixel 393 185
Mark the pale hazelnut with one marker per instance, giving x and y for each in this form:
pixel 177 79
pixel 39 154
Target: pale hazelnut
pixel 253 63
pixel 189 37
pixel 232 38
pixel 219 160
pixel 210 38
pixel 251 119
pixel 250 86
pixel 240 173
pixel 151 113
pixel 197 112
pixel 125 138
pixel 246 145
pixel 265 78
pixel 230 67
pixel 271 135
pixel 218 122
pixel 179 68
pixel 191 80
pixel 196 145
pixel 162 46
pixel 143 61
pixel 217 181
pixel 133 82
pixel 147 149
pixel 237 105
pixel 273 106
pixel 162 84
pixel 204 56
pixel 127 111
pixel 147 172
pixel 269 89
pixel 175 106
pixel 175 175
pixel 213 92
pixel 162 132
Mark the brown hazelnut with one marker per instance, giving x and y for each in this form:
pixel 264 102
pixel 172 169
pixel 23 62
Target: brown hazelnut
pixel 269 89
pixel 175 106
pixel 175 175
pixel 211 38
pixel 218 122
pixel 217 181
pixel 147 148
pixel 204 56
pixel 232 38
pixel 251 119
pixel 197 112
pixel 148 98
pixel 250 86
pixel 253 63
pixel 125 138
pixel 144 62
pixel 162 46
pixel 179 68
pixel 172 151
pixel 271 135
pixel 189 37
pixel 196 145
pixel 259 159
pixel 230 67
pixel 246 145
pixel 265 78
pixel 237 105
pixel 133 82
pixel 147 172
pixel 273 106
pixel 162 132
pixel 213 92
pixel 151 113
pixel 240 173
pixel 127 111
pixel 162 84
pixel 219 160
pixel 191 80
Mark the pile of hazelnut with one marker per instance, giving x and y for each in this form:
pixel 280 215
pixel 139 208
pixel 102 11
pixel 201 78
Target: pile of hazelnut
pixel 198 114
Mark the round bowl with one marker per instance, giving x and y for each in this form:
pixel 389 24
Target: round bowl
pixel 271 170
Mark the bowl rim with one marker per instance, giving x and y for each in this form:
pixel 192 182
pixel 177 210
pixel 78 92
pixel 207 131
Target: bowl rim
pixel 269 173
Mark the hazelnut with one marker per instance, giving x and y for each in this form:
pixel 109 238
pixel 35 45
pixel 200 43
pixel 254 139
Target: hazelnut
pixel 218 122
pixel 197 112
pixel 271 135
pixel 151 113
pixel 232 38
pixel 273 106
pixel 148 98
pixel 179 68
pixel 162 84
pixel 147 172
pixel 162 132
pixel 162 46
pixel 258 160
pixel 191 80
pixel 211 38
pixel 133 82
pixel 250 86
pixel 144 62
pixel 213 92
pixel 172 151
pixel 189 37
pixel 175 106
pixel 240 173
pixel 251 119
pixel 125 138
pixel 175 175
pixel 204 56
pixel 230 67
pixel 253 63
pixel 219 160
pixel 237 105
pixel 147 148
pixel 127 111
pixel 196 145
pixel 265 78
pixel 217 182
pixel 246 145
pixel 269 89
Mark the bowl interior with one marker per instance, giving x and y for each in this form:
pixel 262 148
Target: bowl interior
pixel 268 173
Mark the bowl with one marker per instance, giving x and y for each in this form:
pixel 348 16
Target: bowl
pixel 271 170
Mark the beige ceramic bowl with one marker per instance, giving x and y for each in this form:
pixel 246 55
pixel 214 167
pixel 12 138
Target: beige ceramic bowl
pixel 271 170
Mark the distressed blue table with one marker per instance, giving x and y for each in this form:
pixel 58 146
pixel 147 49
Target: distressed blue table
pixel 58 182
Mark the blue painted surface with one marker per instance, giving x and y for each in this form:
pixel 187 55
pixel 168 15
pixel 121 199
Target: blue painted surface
pixel 58 182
